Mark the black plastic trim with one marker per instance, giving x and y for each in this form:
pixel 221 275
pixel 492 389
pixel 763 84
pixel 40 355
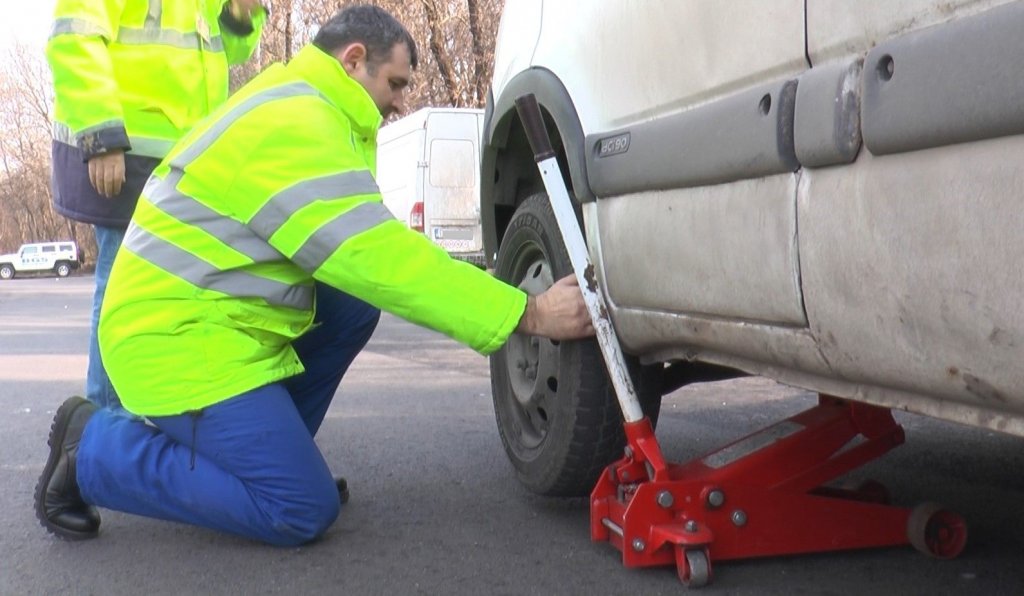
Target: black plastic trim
pixel 746 135
pixel 556 102
pixel 499 115
pixel 951 83
pixel 827 127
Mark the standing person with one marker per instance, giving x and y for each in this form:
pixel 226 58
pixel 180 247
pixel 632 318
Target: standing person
pixel 130 77
pixel 208 328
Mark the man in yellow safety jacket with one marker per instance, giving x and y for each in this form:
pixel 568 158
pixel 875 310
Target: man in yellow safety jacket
pixel 209 329
pixel 131 76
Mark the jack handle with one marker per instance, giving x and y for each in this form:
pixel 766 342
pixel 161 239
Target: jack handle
pixel 561 203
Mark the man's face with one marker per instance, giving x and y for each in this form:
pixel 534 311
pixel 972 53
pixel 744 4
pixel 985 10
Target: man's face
pixel 386 82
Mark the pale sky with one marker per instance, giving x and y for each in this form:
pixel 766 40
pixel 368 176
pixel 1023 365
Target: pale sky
pixel 27 21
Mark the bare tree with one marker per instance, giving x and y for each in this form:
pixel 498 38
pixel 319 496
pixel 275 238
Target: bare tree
pixel 459 36
pixel 438 40
pixel 289 26
pixel 482 32
pixel 26 101
pixel 455 39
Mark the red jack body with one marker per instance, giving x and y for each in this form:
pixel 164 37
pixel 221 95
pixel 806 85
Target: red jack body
pixel 763 495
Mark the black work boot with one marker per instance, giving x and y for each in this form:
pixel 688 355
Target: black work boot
pixel 342 489
pixel 59 506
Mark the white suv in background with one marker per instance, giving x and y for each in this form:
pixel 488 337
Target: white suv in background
pixel 826 193
pixel 60 258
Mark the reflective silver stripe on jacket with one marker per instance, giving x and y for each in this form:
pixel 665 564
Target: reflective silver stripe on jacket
pixel 322 244
pixel 67 26
pixel 150 147
pixel 62 132
pixel 153 14
pixel 284 204
pixel 198 272
pixel 208 136
pixel 165 196
pixel 150 33
pixel 280 207
pixel 166 37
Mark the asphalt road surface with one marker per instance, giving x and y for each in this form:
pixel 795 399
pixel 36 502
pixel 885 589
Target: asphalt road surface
pixel 435 506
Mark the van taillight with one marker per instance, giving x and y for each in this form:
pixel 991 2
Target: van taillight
pixel 416 217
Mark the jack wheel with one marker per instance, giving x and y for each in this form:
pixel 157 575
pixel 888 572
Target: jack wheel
pixel 936 531
pixel 693 566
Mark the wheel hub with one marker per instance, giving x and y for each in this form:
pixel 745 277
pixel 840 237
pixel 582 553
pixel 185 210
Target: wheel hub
pixel 532 361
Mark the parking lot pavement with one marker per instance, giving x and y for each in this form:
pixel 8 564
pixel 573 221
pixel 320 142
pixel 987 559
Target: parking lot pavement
pixel 435 507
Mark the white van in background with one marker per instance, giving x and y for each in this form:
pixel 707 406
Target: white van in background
pixel 428 174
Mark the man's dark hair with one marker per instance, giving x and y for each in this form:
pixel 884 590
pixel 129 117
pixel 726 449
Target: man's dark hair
pixel 369 25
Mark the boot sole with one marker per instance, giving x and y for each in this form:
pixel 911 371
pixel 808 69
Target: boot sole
pixel 58 429
pixel 342 486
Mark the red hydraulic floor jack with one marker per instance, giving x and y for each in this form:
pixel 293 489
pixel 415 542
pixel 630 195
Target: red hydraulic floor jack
pixel 760 496
pixel 763 495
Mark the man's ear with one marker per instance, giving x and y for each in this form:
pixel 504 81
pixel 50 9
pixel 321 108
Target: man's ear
pixel 351 56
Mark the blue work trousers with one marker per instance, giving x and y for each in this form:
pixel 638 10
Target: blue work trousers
pixel 97 384
pixel 248 465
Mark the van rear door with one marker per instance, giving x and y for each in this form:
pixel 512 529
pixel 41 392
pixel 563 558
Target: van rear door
pixel 451 206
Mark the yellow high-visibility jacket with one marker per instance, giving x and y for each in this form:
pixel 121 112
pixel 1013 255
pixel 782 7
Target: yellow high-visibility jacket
pixel 134 75
pixel 216 274
pixel 141 71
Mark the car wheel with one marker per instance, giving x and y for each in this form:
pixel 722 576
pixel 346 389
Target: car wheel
pixel 6 271
pixel 556 409
pixel 63 269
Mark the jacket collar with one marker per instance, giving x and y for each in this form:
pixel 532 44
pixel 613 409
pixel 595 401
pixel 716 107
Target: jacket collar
pixel 324 72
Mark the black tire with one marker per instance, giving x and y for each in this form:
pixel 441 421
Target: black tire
pixel 557 414
pixel 6 271
pixel 62 269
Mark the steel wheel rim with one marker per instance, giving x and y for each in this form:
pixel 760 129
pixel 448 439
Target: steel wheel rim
pixel 532 362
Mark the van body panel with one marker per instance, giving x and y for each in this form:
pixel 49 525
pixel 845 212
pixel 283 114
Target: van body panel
pixel 884 267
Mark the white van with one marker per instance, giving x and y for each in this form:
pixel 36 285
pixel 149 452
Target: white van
pixel 57 257
pixel 825 193
pixel 427 170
